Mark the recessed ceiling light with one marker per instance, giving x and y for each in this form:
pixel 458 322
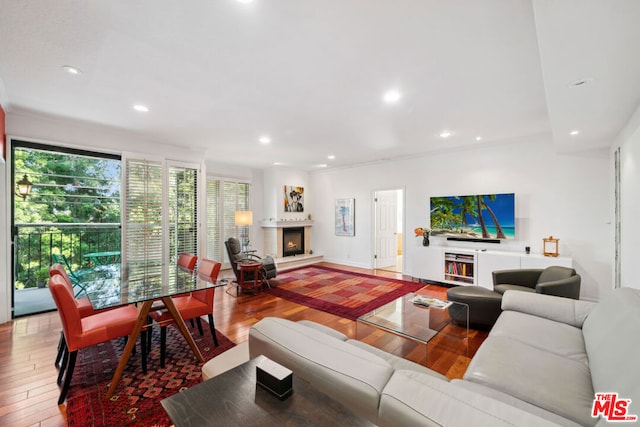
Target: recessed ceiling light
pixel 323 165
pixel 72 70
pixel 244 1
pixel 141 108
pixel 276 163
pixel 331 157
pixel 445 134
pixel 391 96
pixel 574 132
pixel 264 140
pixel 478 138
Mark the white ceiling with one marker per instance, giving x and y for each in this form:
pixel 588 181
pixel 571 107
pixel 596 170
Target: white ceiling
pixel 218 74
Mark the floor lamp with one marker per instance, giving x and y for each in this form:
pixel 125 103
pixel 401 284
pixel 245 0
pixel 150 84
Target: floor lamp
pixel 244 219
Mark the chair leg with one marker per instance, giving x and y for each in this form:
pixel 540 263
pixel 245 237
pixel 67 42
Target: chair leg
pixel 149 335
pixel 65 360
pixel 163 345
pixel 61 345
pixel 199 322
pixel 143 351
pixel 192 325
pixel 213 330
pixel 71 364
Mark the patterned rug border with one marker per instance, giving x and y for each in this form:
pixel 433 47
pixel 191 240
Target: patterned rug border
pixel 338 310
pixel 137 398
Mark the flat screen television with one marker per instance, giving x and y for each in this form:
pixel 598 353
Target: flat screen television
pixel 478 217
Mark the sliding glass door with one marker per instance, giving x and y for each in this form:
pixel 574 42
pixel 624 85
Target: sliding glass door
pixel 161 211
pixel 72 209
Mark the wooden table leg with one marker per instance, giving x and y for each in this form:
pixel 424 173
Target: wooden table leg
pixel 142 320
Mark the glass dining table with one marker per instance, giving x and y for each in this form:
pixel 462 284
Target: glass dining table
pixel 143 283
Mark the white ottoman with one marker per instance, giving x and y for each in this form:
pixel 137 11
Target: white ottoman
pixel 228 360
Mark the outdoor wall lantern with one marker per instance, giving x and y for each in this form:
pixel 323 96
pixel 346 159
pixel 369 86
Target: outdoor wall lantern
pixel 23 187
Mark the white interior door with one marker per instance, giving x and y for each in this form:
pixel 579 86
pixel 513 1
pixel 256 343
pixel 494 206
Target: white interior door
pixel 386 236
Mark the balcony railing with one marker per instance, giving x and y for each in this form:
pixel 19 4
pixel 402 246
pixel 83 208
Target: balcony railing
pixel 35 244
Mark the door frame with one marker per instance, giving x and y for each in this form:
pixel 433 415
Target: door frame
pixel 400 220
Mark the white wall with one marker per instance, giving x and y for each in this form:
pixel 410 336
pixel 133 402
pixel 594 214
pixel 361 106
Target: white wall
pixel 629 143
pixel 564 195
pixel 275 179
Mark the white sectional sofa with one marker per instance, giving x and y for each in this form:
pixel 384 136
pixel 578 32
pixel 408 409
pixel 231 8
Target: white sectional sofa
pixel 541 365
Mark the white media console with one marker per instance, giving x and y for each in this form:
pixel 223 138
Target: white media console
pixel 464 266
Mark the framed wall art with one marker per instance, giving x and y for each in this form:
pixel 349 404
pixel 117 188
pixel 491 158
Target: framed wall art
pixel 345 217
pixel 293 198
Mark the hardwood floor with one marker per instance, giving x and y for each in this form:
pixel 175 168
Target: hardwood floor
pixel 29 393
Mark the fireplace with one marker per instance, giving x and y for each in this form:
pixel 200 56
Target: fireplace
pixel 293 241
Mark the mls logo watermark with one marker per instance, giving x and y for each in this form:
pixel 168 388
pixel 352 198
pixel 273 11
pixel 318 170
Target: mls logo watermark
pixel 612 408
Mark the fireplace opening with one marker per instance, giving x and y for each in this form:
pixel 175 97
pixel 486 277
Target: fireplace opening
pixel 292 241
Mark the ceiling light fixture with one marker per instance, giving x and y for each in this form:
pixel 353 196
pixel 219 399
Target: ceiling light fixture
pixel 478 138
pixel 445 134
pixel 244 1
pixel 391 96
pixel 574 132
pixel 323 165
pixel 264 140
pixel 141 108
pixel 331 157
pixel 72 70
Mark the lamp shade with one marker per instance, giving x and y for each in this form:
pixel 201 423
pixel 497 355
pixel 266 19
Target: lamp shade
pixel 244 218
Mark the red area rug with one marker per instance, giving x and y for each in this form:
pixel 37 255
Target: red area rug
pixel 339 292
pixel 137 398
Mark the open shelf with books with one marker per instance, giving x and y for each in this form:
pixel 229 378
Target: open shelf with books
pixel 460 268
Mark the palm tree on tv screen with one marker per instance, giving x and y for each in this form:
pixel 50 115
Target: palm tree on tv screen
pixel 482 204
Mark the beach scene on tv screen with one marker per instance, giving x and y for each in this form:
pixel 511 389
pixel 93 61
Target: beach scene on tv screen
pixel 481 216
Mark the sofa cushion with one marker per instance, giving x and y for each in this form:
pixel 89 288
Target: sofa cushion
pixel 515 402
pixel 564 310
pixel 542 378
pixel 611 333
pixel 398 362
pixel 559 338
pixel 349 374
pixel 414 399
pixel 324 329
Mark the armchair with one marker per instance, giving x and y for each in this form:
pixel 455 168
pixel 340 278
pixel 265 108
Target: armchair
pixel 234 251
pixel 555 280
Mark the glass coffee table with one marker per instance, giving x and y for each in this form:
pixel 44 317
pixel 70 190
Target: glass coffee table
pixel 417 322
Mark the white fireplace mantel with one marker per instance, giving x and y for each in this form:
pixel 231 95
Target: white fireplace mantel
pixel 286 224
pixel 274 231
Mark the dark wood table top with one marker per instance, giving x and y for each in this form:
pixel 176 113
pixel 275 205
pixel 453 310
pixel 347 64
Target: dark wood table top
pixel 234 399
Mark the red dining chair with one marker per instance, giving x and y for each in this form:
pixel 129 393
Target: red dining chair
pixel 81 332
pixel 191 306
pixel 187 261
pixel 84 306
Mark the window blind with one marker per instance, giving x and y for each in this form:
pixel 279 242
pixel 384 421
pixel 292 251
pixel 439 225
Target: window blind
pixel 183 211
pixel 224 198
pixel 143 214
pixel 214 232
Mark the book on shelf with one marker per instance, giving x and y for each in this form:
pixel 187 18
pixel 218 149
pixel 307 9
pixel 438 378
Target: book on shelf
pixel 430 302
